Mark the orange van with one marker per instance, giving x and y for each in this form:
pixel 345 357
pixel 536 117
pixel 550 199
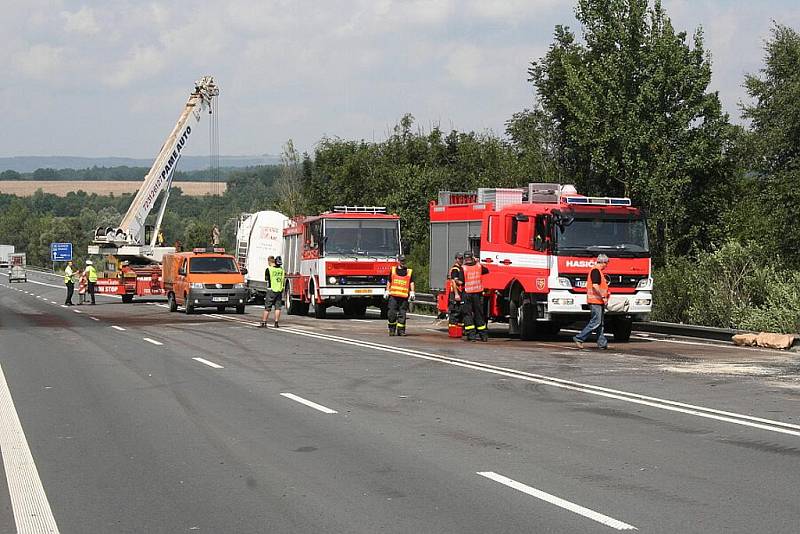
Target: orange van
pixel 203 278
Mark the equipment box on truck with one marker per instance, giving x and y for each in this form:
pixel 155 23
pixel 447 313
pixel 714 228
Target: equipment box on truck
pixel 204 278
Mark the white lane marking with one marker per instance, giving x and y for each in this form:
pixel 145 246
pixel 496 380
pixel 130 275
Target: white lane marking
pixel 77 311
pixel 308 403
pixel 53 302
pixel 770 425
pixel 561 503
pixel 32 512
pixel 153 341
pixel 363 320
pixel 115 327
pixel 64 306
pixel 655 402
pixel 93 318
pixel 208 363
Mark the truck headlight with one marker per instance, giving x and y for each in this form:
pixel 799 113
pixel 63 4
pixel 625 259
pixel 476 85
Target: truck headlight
pixel 563 302
pixel 645 283
pixel 238 286
pixel 196 285
pixel 332 280
pixel 643 302
pixel 564 282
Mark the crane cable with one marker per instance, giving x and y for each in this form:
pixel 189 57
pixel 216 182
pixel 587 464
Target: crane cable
pixel 214 171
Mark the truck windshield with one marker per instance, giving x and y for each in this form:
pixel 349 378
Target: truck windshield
pixel 614 237
pixel 362 237
pixel 212 265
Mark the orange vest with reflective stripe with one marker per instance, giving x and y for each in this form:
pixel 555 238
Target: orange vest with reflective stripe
pixel 400 286
pixel 473 282
pixel 596 293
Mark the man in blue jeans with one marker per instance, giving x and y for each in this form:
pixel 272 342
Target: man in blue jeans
pixel 597 298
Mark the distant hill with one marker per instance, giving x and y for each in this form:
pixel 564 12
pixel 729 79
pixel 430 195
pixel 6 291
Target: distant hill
pixel 187 163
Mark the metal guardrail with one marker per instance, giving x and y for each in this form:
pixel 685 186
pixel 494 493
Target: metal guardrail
pixel 652 327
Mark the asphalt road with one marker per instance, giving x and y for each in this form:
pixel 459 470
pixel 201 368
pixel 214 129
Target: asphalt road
pixel 136 419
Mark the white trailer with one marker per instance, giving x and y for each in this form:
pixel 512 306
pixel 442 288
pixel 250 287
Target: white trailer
pixel 259 236
pixel 16 269
pixel 5 252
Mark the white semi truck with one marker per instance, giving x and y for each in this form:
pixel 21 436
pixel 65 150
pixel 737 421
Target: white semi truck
pixel 259 236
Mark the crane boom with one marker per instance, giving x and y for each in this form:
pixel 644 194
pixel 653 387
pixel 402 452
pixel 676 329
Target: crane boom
pixel 131 231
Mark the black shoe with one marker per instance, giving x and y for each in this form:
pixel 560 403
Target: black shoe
pixel 392 333
pixel 262 324
pixel 401 331
pixel 484 338
pixel 276 324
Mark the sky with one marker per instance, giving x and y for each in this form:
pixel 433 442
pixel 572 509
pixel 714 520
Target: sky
pixel 109 77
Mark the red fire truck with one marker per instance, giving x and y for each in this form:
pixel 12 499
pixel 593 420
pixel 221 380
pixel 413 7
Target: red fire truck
pixel 340 258
pixel 539 244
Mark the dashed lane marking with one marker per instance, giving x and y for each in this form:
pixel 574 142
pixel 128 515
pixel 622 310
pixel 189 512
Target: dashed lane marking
pixel 208 363
pixel 32 512
pixel 93 318
pixel 153 341
pixel 558 501
pixel 115 327
pixel 308 403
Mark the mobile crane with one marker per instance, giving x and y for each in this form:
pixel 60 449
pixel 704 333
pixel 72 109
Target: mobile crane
pixel 134 243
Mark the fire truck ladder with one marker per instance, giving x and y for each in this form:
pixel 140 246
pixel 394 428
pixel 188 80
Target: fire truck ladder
pixel 243 246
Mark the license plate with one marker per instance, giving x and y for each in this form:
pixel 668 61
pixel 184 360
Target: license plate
pixel 219 299
pixel 363 291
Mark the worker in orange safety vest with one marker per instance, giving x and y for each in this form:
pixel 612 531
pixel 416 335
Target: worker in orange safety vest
pixel 472 299
pixel 597 298
pixel 399 291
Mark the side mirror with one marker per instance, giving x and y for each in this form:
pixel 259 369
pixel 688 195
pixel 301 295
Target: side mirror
pixel 182 271
pixel 520 217
pixel 244 270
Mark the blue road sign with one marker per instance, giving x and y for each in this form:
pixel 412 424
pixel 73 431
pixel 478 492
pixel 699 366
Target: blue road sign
pixel 60 251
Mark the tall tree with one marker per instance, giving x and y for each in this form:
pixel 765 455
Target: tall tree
pixel 632 114
pixel 774 142
pixel 288 187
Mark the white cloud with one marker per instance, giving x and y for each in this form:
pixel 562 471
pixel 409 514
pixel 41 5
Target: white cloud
pixel 41 61
pixel 81 21
pixel 142 63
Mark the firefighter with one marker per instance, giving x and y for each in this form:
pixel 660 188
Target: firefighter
pixel 472 306
pixel 275 277
pixel 456 283
pixel 91 277
pixel 69 282
pixel 399 291
pixel 597 298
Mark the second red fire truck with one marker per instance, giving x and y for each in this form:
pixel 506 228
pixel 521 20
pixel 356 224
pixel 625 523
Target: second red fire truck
pixel 340 258
pixel 539 244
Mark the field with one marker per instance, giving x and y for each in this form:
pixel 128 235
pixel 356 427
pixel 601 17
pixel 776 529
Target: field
pixel 26 188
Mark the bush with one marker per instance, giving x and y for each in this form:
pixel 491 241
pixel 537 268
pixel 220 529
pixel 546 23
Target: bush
pixel 734 286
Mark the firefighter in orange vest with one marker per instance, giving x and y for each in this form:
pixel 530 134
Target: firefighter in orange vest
pixel 399 291
pixel 455 298
pixel 597 298
pixel 472 299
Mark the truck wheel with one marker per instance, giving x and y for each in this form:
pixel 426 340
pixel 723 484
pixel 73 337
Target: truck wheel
pixel 127 298
pixel 320 311
pixel 527 321
pixel 240 309
pixel 221 309
pixel 173 306
pixel 188 308
pixel 360 309
pixel 349 308
pixel 621 328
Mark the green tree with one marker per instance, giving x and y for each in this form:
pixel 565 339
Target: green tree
pixel 632 114
pixel 773 146
pixel 288 187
